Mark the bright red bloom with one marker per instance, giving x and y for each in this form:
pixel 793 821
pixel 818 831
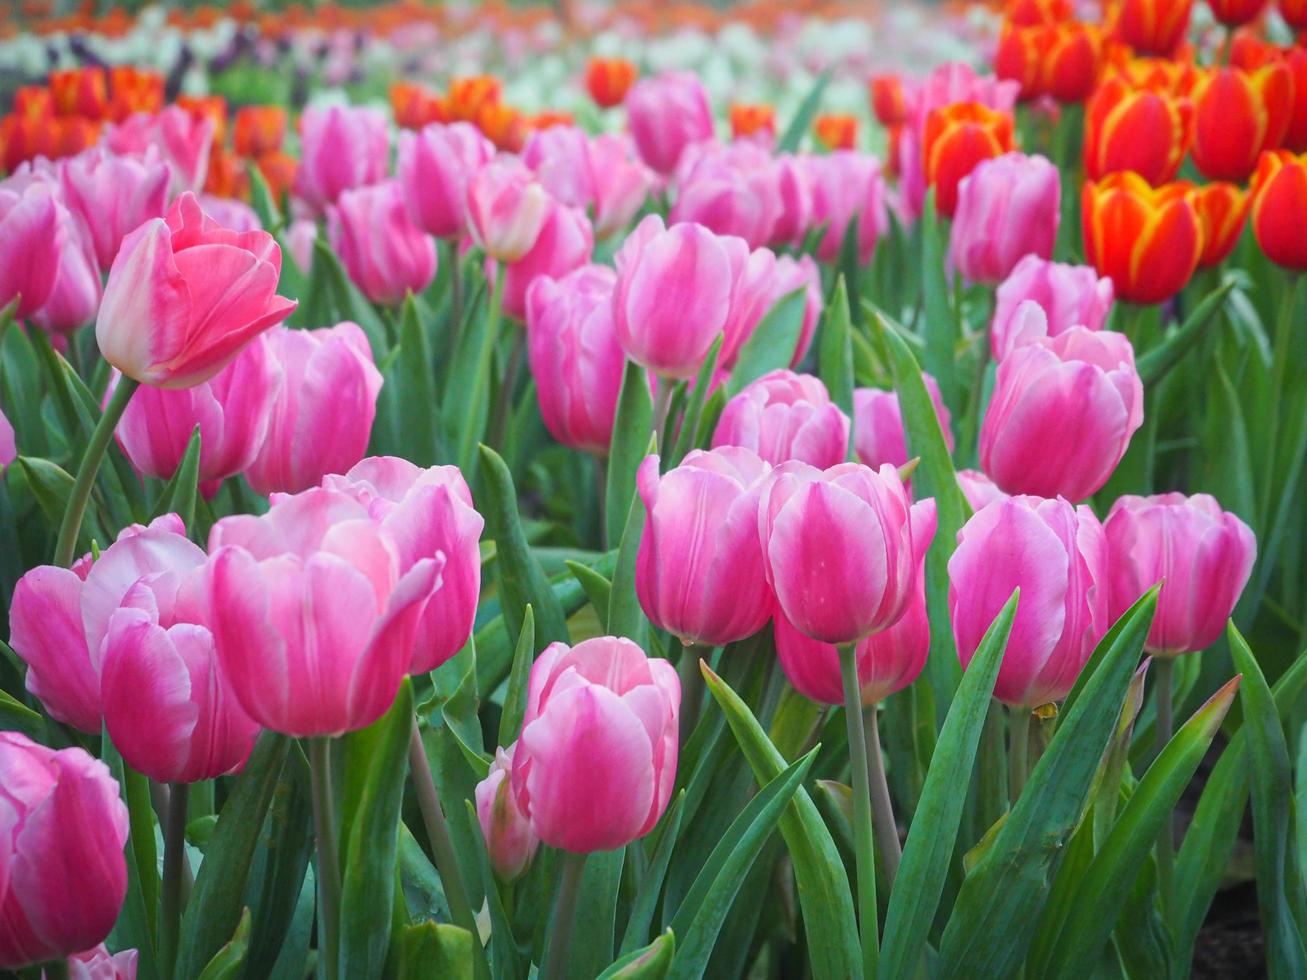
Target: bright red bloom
pixel 957 137
pixel 836 131
pixel 608 80
pixel 887 100
pixel 258 130
pixel 1237 115
pixel 1279 210
pixel 746 120
pixel 1223 210
pixel 80 92
pixel 1154 26
pixel 1136 129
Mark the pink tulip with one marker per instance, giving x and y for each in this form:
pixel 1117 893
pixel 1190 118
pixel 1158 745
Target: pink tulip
pixel 1201 554
pixel 560 158
pixel 229 212
pixel 1057 555
pixel 978 489
pixel 667 113
pixel 435 166
pixel 596 762
pixel 509 836
pixel 232 409
pixel 63 876
pixel 706 588
pixel 621 184
pixel 1062 414
pixel 847 187
pixel 1008 208
pixel 8 444
pixel 385 254
pixel 784 416
pixel 754 283
pixel 506 208
pixel 1068 295
pixel 838 548
pixel 29 244
pixel 888 661
pixel 673 295
pixel 795 189
pixel 75 293
pixel 100 964
pixel 186 295
pixel 596 174
pixel 313 621
pixel 322 417
pixel 730 190
pixel 565 243
pixel 878 433
pixel 59 616
pixel 428 513
pixel 114 195
pixel 300 237
pixel 575 358
pixel 185 141
pixel 341 147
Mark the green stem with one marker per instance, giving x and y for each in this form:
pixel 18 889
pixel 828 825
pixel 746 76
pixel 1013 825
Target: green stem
pixel 1018 750
pixel 174 863
pixel 89 468
pixel 864 849
pixel 1280 354
pixel 1162 670
pixel 55 970
pixel 477 404
pixel 601 498
pixel 662 402
pixel 882 807
pixel 504 401
pixel 691 690
pixel 560 939
pixel 324 825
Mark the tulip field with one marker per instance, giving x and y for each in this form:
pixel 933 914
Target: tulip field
pixel 602 489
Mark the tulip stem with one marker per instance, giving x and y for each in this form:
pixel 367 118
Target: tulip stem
pixel 863 845
pixel 569 889
pixel 54 970
pixel 504 403
pixel 174 861
pixel 887 833
pixel 691 677
pixel 1162 668
pixel 324 825
pixel 662 402
pixel 1018 751
pixel 71 525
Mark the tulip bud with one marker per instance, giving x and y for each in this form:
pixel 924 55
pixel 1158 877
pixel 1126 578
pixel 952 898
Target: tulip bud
pixel 666 114
pixel 1201 555
pixel 99 964
pixel 510 838
pixel 185 141
pixel 784 416
pixel 29 245
pixel 75 293
pixel 1223 211
pixel 506 208
pixel 847 186
pixel 729 190
pixel 385 254
pixel 621 184
pixel 435 166
pixel 563 245
pixel 1279 208
pixel 114 195
pixel 1147 240
pixel 341 147
pixel 794 185
pixel 955 139
pixel 1139 129
pixel 596 762
pixel 836 131
pixel 878 433
pixel 80 91
pixel 608 80
pixel 1237 115
pixel 888 101
pixel 753 121
pixel 1008 208
pixel 1068 296
pixel 1154 26
pixel 761 280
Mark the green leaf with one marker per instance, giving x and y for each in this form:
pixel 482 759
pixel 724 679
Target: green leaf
pixel 18 717
pixel 625 616
pixel 594 933
pixel 802 121
pixel 1156 363
pixel 410 393
pixel 934 830
pixel 651 883
pixel 228 961
pixel 505 957
pixel 700 917
pixel 179 493
pixel 510 722
pixel 772 343
pixel 598 589
pixel 823 885
pixel 685 437
pixel 631 428
pixel 648 963
pixel 431 949
pixel 835 354
pixel 136 925
pixel 346 301
pixel 941 331
pixel 50 484
pixel 261 200
pixel 459 713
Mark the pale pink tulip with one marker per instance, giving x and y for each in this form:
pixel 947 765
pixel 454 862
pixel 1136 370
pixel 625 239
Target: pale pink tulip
pixel 1008 208
pixel 847 188
pixel 435 166
pixel 506 208
pixel 510 838
pixel 114 195
pixel 385 254
pixel 341 147
pixel 784 416
pixel 564 244
pixel 667 113
pixel 878 433
pixel 1068 295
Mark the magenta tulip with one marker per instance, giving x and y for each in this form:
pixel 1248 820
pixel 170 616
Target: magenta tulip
pixel 322 416
pixel 1200 554
pixel 114 195
pixel 784 416
pixel 434 168
pixel 730 190
pixel 560 158
pixel 667 113
pixel 1008 208
pixel 506 208
pixel 1057 555
pixel 510 839
pixel 795 189
pixel 63 875
pixel 594 174
pixel 978 489
pixel 8 444
pixel 596 762
pixel 1062 414
pixel 878 433
pixel 564 244
pixel 1068 295
pixel 75 293
pixel 29 244
pixel 385 254
pixel 185 141
pixel 847 187
pixel 709 589
pixel 341 147
pixel 761 280
pixel 621 184
pixel 230 213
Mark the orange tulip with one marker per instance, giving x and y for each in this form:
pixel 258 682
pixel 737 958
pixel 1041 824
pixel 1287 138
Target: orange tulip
pixel 27 137
pixel 1294 13
pixel 1136 129
pixel 223 177
pixel 608 80
pixel 258 129
pixel 278 172
pixel 836 131
pixel 1154 26
pixel 1223 211
pixel 1232 13
pixel 1029 12
pixel 469 96
pixel 1250 53
pixel 1279 210
pixel 746 120
pixel 1018 58
pixel 1061 60
pixel 957 137
pixel 1237 115
pixel 414 106
pixel 888 101
pixel 1166 76
pixel 133 90
pixel 1147 240
pixel 503 125
pixel 80 92
pixel 208 107
pixel 551 117
pixel 33 100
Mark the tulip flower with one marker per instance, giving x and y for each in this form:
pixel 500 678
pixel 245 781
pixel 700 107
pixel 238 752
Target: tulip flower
pixel 955 139
pixel 506 208
pixel 838 548
pixel 1008 208
pixel 847 186
pixel 673 295
pixel 730 190
pixel 341 148
pixel 1061 59
pixel 29 245
pixel 133 89
pixel 434 168
pixel 560 158
pixel 1201 555
pixel 75 293
pixel 878 433
pixel 258 129
pixel 1279 196
pixel 608 80
pixel 429 513
pixel 469 95
pixel 510 839
pixel 978 489
pixel 313 621
pixel 753 121
pixel 1223 210
pixel 100 964
pixel 1147 240
pixel 1068 296
pixel 1139 129
pixel 185 141
pixel 8 446
pixel 794 186
pixel 1294 13
pixel 168 317
pixel 705 589
pixel 563 245
pixel 836 131
pixel 63 876
pixel 322 416
pixel 1237 115
pixel 621 184
pixel 1057 555
pixel 667 113
pixel 80 91
pixel 596 761
pixel 887 100
pixel 1154 26
pixel 1062 414
pixel 1233 13
pixel 760 281
pixel 385 254
pixel 114 195
pixel 783 416
pixel 575 358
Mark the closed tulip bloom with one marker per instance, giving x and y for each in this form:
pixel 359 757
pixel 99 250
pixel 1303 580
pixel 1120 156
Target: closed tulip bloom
pixel 1294 13
pixel 729 190
pixel 560 158
pixel 838 548
pixel 979 489
pixel 608 80
pixel 887 100
pixel 955 139
pixel 761 280
pixel 878 433
pixel 705 589
pixel 1008 208
pixel 186 295
pixel 322 417
pixel 185 141
pixel 114 195
pixel 794 185
pixel 666 114
pixel 80 91
pixel 341 147
pixel 1147 240
pixel 847 186
pixel 1062 414
pixel 29 246
pixel 595 764
pixel 63 876
pixel 506 208
pixel 1060 60
pixel 1201 555
pixel 434 168
pixel 784 416
pixel 1237 115
pixel 1154 26
pixel 1135 128
pixel 887 661
pixel 385 254
pixel 313 621
pixel 428 513
pixel 756 121
pixel 1232 13
pixel 673 295
pixel 75 293
pixel 232 409
pixel 1068 295
pixel 510 839
pixel 836 131
pixel 1279 193
pixel 1057 555
pixel 575 358
pixel 100 964
pixel 8 445
pixel 564 244
pixel 1223 210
